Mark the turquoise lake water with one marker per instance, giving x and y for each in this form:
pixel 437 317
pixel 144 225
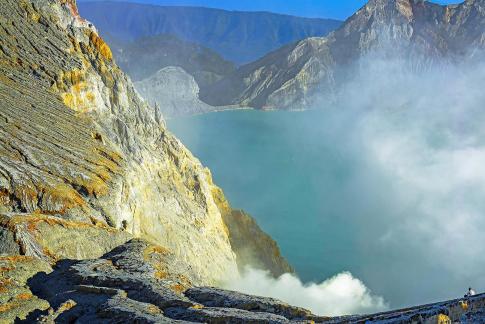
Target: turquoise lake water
pixel 304 177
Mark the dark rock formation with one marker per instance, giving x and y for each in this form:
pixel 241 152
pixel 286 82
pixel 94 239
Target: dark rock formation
pixel 419 32
pixel 211 297
pixel 127 285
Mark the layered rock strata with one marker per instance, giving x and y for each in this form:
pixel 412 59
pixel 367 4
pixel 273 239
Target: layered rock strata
pixel 85 163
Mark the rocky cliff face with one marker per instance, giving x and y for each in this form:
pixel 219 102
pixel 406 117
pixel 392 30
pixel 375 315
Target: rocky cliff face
pixel 174 92
pixel 417 31
pixel 85 163
pixel 79 143
pixel 104 215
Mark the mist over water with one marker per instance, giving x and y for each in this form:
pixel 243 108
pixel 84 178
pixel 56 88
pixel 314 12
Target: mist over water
pixel 388 184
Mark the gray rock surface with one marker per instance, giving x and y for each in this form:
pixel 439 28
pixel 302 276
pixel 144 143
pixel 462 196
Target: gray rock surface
pixel 125 285
pixel 174 92
pixel 212 297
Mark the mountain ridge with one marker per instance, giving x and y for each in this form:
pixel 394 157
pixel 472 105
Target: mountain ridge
pixel 236 35
pixel 288 78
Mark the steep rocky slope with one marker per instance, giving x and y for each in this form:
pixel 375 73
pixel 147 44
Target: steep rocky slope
pixel 108 160
pixel 104 216
pixel 85 164
pixel 417 31
pixel 238 36
pixel 174 92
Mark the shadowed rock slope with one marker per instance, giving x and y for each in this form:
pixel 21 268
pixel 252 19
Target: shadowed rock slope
pixel 419 32
pixel 86 164
pixel 261 251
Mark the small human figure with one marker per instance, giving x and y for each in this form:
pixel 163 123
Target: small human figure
pixel 470 292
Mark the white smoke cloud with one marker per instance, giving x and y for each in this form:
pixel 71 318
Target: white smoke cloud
pixel 420 134
pixel 423 132
pixel 340 295
pixel 416 143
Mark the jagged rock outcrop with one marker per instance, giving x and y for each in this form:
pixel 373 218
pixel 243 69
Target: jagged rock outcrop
pixel 420 32
pixel 128 284
pixel 136 283
pixel 174 92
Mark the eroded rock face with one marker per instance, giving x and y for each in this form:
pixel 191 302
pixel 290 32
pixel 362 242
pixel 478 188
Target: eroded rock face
pixel 78 143
pixel 174 92
pixel 85 163
pixel 292 76
pixel 16 298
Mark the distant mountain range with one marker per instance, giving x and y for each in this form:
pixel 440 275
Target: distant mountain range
pixel 414 30
pixel 240 37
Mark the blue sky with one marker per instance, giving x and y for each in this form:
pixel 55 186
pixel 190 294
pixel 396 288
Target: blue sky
pixel 339 9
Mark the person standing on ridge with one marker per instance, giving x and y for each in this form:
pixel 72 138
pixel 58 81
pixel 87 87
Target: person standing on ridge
pixel 470 292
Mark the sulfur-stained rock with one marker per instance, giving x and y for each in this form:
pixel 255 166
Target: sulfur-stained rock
pixel 78 143
pixel 16 299
pixel 52 238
